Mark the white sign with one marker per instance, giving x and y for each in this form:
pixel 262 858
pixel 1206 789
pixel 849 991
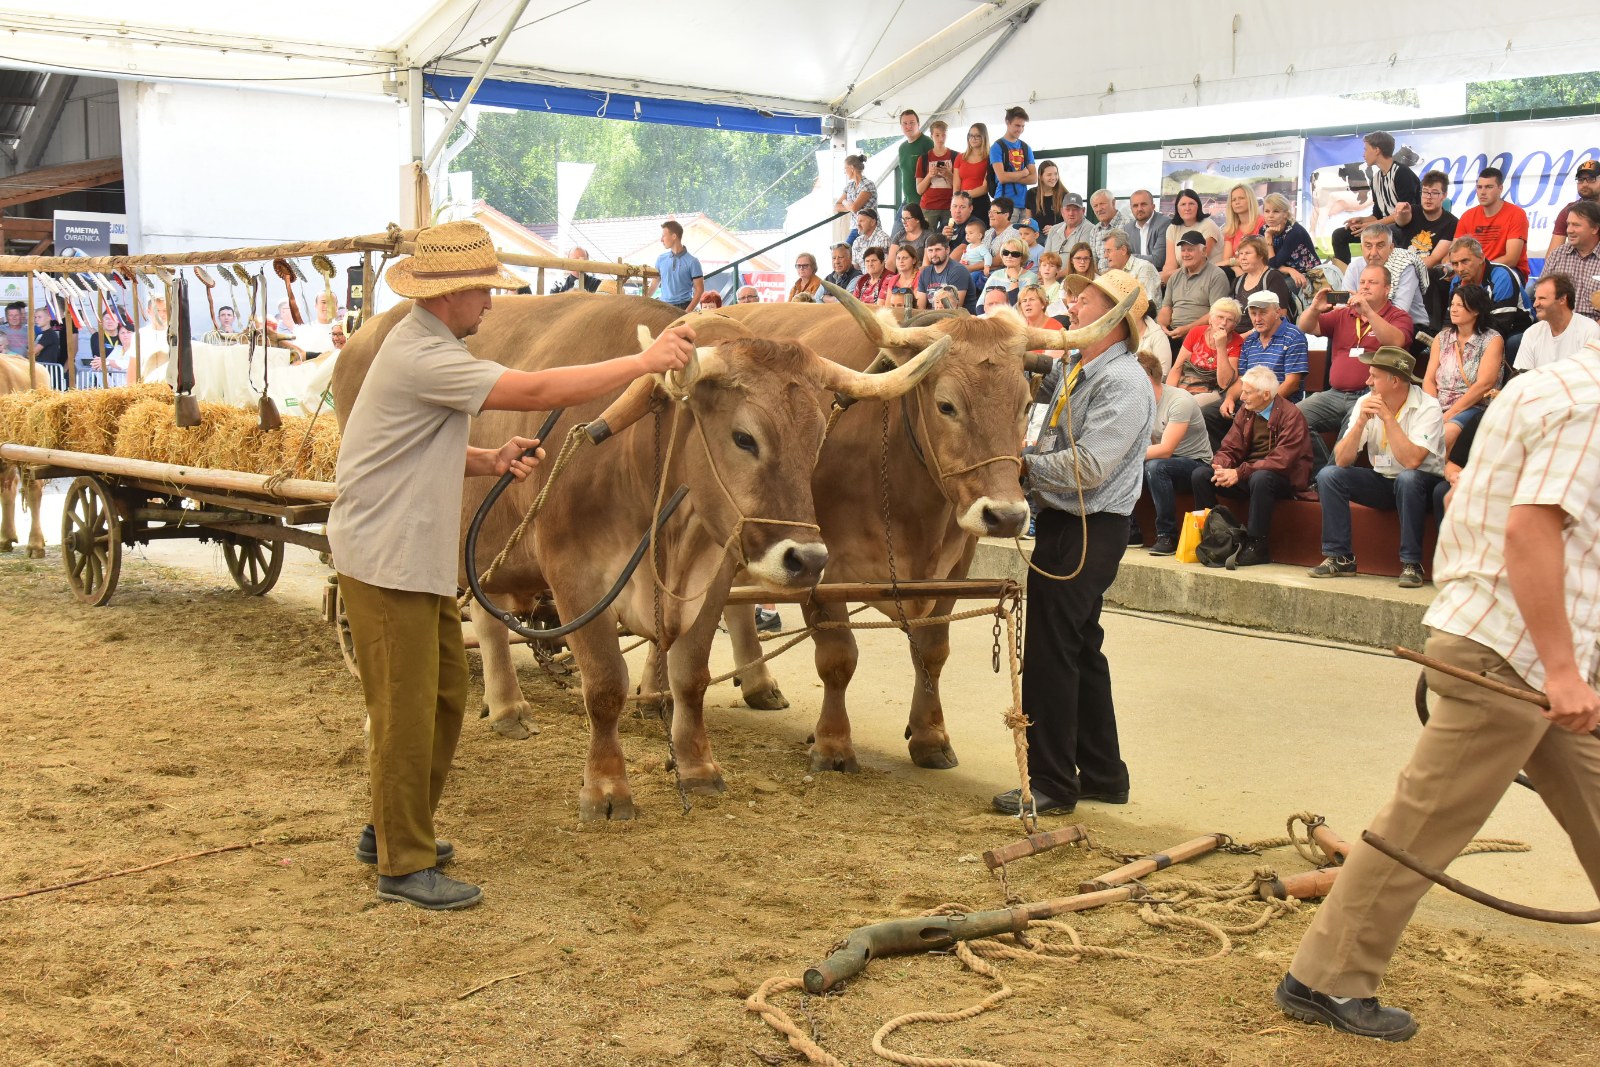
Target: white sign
pixel 119 223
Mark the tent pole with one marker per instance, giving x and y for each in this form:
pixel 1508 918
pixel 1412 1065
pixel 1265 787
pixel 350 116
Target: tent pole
pixel 472 86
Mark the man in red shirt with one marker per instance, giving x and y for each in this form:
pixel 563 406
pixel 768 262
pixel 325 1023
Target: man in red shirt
pixel 1500 226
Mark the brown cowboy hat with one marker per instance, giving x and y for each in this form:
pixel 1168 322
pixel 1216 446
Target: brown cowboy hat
pixel 1116 284
pixel 451 258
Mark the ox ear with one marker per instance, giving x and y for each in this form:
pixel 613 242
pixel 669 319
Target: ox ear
pixel 886 386
pixel 883 332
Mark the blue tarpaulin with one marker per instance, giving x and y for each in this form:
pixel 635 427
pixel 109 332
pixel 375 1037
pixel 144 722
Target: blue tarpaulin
pixel 619 106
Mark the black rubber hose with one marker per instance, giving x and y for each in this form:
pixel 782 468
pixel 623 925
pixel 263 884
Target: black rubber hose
pixel 587 617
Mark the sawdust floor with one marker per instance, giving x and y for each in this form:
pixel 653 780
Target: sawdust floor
pixel 182 718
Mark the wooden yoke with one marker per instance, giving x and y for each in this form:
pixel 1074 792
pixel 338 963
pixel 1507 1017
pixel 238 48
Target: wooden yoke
pixel 1158 861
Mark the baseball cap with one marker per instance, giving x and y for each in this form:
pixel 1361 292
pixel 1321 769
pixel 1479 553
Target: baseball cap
pixel 1266 298
pixel 1589 168
pixel 1393 359
pixel 1072 200
pixel 1191 237
pixel 1028 224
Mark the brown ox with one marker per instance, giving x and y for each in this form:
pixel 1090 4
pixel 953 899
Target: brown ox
pixel 952 476
pixel 744 438
pixel 14 379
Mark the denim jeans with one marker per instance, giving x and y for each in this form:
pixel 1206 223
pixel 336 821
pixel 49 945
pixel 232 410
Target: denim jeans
pixel 1326 411
pixel 1263 489
pixel 1410 492
pixel 1160 475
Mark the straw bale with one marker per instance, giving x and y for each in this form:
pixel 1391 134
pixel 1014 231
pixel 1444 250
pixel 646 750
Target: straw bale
pixel 228 438
pixel 94 413
pixel 320 454
pixel 44 423
pixel 14 412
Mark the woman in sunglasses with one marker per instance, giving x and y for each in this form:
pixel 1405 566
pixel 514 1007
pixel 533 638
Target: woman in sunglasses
pixel 1012 273
pixel 806 281
pixel 905 277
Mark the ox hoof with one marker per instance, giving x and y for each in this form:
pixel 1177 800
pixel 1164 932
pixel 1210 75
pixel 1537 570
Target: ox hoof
pixel 822 761
pixel 765 699
pixel 36 552
pixel 7 546
pixel 705 787
pixel 602 808
pixel 516 729
pixel 935 757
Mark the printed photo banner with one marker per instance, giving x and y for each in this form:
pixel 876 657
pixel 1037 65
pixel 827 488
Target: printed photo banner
pixel 1210 170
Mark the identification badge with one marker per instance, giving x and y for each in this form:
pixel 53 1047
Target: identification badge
pixel 1037 414
pixel 1357 353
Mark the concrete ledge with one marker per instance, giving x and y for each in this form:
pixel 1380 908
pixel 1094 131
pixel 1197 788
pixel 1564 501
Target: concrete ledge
pixel 1362 610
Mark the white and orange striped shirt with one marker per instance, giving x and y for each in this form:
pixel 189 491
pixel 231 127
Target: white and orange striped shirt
pixel 1539 443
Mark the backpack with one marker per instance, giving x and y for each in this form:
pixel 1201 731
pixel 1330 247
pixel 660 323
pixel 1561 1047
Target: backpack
pixel 990 181
pixel 1221 538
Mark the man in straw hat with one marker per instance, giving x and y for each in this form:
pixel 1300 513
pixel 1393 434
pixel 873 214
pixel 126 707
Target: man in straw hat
pixel 395 532
pixel 1083 474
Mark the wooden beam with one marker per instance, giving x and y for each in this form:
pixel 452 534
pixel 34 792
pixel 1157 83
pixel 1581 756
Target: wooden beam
pixel 19 228
pixel 174 475
pixel 878 592
pixel 45 182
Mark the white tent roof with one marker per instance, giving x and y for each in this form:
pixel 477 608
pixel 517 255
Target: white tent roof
pixel 862 61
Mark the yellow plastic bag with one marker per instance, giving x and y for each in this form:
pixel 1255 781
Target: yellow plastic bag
pixel 1189 536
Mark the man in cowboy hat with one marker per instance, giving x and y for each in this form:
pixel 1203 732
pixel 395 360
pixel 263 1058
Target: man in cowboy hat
pixel 395 531
pixel 1083 475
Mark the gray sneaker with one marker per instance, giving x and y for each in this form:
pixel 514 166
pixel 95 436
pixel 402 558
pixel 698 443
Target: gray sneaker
pixel 1334 567
pixel 429 889
pixel 1411 576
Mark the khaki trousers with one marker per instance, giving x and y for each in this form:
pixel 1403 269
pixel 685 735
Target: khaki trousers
pixel 414 675
pixel 1473 746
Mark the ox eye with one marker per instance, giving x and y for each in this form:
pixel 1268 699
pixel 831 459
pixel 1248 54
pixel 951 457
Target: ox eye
pixel 946 408
pixel 745 443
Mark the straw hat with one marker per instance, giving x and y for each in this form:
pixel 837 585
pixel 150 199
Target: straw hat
pixel 1116 284
pixel 450 258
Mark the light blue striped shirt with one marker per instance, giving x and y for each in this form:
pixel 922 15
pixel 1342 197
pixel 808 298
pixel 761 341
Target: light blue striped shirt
pixel 1113 411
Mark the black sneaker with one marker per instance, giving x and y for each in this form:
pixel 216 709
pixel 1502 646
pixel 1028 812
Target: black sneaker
pixel 768 622
pixel 1164 546
pixel 1411 576
pixel 1334 567
pixel 429 889
pixel 1364 1017
pixel 367 848
pixel 1135 535
pixel 1010 802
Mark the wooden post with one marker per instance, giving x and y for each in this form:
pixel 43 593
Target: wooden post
pixel 137 373
pixel 70 339
pixel 105 347
pixel 366 288
pixel 33 341
pixel 540 287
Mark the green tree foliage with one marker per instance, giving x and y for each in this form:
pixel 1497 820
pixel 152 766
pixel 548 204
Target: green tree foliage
pixel 1520 94
pixel 640 168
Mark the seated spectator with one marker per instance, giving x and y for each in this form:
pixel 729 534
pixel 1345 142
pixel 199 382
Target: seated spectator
pixel 913 233
pixel 1050 277
pixel 1401 430
pixel 1188 216
pixel 1497 224
pixel 1031 302
pixel 1043 202
pixel 860 192
pixel 336 332
pixel 1208 362
pixel 1081 261
pixel 941 272
pixel 1587 177
pixel 1407 276
pixel 1434 227
pixel 994 300
pixel 976 260
pixel 805 265
pixel 1506 313
pixel 1265 458
pixel 713 299
pixel 944 298
pixel 1011 274
pixel 1252 275
pixel 975 235
pixel 1178 447
pixel 868 235
pixel 874 282
pixel 1290 250
pixel 1030 239
pixel 1579 258
pixel 899 298
pixel 1369 321
pixel 1241 219
pixel 1116 252
pixel 955 227
pixel 844 273
pixel 1192 288
pixel 588 282
pixel 1272 343
pixel 1108 219
pixel 1396 197
pixel 1559 333
pixel 936 177
pixel 749 294
pixel 1467 359
pixel 1000 228
pixel 904 278
pixel 1073 227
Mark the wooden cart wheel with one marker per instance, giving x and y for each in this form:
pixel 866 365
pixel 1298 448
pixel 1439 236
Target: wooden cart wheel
pixel 341 626
pixel 91 540
pixel 255 564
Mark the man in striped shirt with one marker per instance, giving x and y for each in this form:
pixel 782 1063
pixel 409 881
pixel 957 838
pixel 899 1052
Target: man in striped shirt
pixel 1518 568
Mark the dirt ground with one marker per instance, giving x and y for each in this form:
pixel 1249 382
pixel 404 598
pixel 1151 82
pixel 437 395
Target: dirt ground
pixel 182 718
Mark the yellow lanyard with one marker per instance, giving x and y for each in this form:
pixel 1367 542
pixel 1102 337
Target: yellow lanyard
pixel 1360 333
pixel 1066 389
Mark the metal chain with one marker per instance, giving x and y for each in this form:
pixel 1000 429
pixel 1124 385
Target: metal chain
pixel 663 694
pixel 888 543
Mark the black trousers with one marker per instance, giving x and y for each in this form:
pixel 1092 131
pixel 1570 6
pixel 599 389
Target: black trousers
pixel 1342 240
pixel 1066 681
pixel 1263 489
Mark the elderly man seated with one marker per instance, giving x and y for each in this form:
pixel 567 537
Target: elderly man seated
pixel 1265 458
pixel 1178 447
pixel 1401 429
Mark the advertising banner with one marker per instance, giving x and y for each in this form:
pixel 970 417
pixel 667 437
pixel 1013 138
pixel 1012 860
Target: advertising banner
pixel 82 237
pixel 1210 170
pixel 1537 157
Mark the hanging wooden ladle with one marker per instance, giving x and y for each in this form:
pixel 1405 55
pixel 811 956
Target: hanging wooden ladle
pixel 204 277
pixel 281 268
pixel 324 266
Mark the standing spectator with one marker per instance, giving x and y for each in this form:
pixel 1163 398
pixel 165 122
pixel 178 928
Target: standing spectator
pixel 1588 178
pixel 1029 231
pixel 1192 288
pixel 1407 275
pixel 1208 361
pixel 1050 278
pixel 15 331
pixel 1435 227
pixel 1001 230
pixel 807 282
pixel 936 177
pixel 1147 233
pixel 1396 196
pixel 1517 573
pixel 1083 477
pixel 1241 219
pixel 1081 261
pixel 844 271
pixel 682 279
pixel 1253 275
pixel 1466 361
pixel 867 236
pixel 860 193
pixel 1178 447
pixel 874 283
pixel 1012 159
pixel 1116 252
pixel 940 272
pixel 1073 227
pixel 1497 224
pixel 1369 321
pixel 904 278
pixel 1265 458
pixel 1400 429
pixel 1578 258
pixel 913 235
pixel 1290 250
pixel 47 335
pixel 1108 219
pixel 955 227
pixel 1043 203
pixel 1188 216
pixel 573 281
pixel 1559 333
pixel 911 150
pixel 972 170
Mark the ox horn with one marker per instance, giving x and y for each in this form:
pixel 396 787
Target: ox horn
pixel 879 332
pixel 704 365
pixel 1084 335
pixel 860 386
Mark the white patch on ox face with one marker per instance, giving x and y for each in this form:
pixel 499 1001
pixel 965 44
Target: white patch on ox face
pixel 790 564
pixel 1009 517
